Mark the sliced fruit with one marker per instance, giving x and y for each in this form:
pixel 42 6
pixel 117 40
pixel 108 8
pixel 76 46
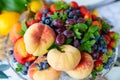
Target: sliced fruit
pixel 74 4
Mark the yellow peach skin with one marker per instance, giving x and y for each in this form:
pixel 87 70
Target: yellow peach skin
pixel 38 38
pixel 84 68
pixel 66 59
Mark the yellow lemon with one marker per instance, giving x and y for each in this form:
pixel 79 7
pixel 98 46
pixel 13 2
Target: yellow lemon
pixel 7 20
pixel 35 5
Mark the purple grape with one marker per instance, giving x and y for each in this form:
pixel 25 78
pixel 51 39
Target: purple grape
pixel 71 14
pixel 70 21
pixel 76 44
pixel 68 33
pixel 80 20
pixel 95 55
pixel 58 23
pixel 60 39
pixel 60 30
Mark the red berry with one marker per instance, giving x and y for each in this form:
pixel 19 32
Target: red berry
pixel 83 10
pixel 94 17
pixel 88 15
pixel 38 16
pixel 98 62
pixel 107 39
pixel 100 56
pixel 112 44
pixel 74 5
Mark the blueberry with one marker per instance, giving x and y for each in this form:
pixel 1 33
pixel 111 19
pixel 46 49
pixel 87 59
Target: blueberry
pixel 96 38
pixel 45 62
pixel 27 64
pixel 71 14
pixel 114 49
pixel 52 26
pixel 47 21
pixel 104 50
pixel 101 38
pixel 43 19
pixel 41 64
pixel 99 48
pixel 101 42
pixel 106 66
pixel 110 60
pixel 25 68
pixel 40 68
pixel 75 17
pixel 46 11
pixel 69 9
pixel 10 52
pixel 14 60
pixel 24 72
pixel 45 66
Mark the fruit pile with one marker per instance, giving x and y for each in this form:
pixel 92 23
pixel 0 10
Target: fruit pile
pixel 63 37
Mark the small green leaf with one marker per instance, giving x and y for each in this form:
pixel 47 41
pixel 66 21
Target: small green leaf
pixel 3 75
pixel 93 28
pixel 97 34
pixel 52 46
pixel 81 26
pixel 21 32
pixel 68 41
pixel 88 22
pixel 94 74
pixel 59 48
pixel 61 5
pixel 24 26
pixel 19 67
pixel 87 36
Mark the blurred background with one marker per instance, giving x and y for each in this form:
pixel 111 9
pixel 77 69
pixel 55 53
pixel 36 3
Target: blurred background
pixel 11 11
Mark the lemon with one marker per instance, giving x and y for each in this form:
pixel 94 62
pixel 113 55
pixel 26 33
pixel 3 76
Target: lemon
pixel 35 5
pixel 7 20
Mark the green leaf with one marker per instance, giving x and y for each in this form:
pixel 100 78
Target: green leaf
pixel 87 36
pixel 94 74
pixel 19 67
pixel 61 5
pixel 52 46
pixel 3 75
pixel 21 32
pixel 64 16
pixel 77 33
pixel 88 22
pixel 93 28
pixel 87 46
pixel 55 16
pixel 97 34
pixel 68 41
pixel 24 26
pixel 81 26
pixel 14 5
pixel 105 26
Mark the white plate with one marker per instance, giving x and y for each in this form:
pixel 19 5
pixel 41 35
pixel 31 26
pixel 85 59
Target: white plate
pixel 114 74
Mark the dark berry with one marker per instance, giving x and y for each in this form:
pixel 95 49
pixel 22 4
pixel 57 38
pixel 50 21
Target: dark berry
pixel 70 22
pixel 106 66
pixel 76 44
pixel 45 62
pixel 27 64
pixel 110 60
pixel 71 14
pixel 114 49
pixel 45 66
pixel 40 68
pixel 80 20
pixel 47 21
pixel 68 33
pixel 60 39
pixel 14 60
pixel 10 52
pixel 58 23
pixel 95 55
pixel 24 68
pixel 104 50
pixel 24 72
pixel 75 17
pixel 46 11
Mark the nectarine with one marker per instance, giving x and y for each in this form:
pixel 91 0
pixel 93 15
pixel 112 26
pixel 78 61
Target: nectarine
pixel 66 59
pixel 84 68
pixel 38 38
pixel 21 54
pixel 47 74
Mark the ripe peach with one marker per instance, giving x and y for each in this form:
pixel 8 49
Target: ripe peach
pixel 84 68
pixel 21 54
pixel 66 59
pixel 14 36
pixel 47 74
pixel 38 38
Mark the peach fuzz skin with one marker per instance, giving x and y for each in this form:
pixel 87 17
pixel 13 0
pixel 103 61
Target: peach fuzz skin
pixel 84 67
pixel 38 38
pixel 48 74
pixel 21 54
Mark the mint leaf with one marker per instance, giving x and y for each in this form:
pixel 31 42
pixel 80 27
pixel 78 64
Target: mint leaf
pixel 81 26
pixel 61 5
pixel 63 16
pixel 88 22
pixel 97 34
pixel 87 46
pixel 52 46
pixel 19 67
pixel 87 36
pixel 24 26
pixel 68 41
pixel 94 74
pixel 3 75
pixel 105 26
pixel 55 16
pixel 93 28
pixel 21 32
pixel 77 33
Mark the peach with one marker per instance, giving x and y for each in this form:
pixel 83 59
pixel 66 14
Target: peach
pixel 47 74
pixel 38 38
pixel 84 68
pixel 14 36
pixel 66 59
pixel 21 54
